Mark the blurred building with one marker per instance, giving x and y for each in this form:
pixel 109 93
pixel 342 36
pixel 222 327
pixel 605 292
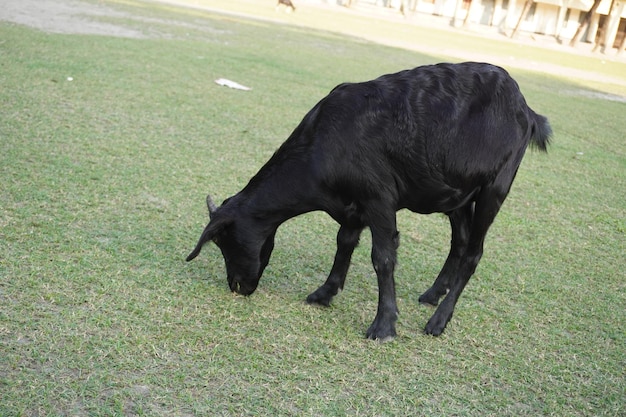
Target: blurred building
pixel 559 18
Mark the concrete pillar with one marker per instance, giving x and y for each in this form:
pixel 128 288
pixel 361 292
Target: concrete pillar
pixel 614 19
pixel 559 21
pixel 495 14
pixel 511 15
pixel 457 18
pixel 593 28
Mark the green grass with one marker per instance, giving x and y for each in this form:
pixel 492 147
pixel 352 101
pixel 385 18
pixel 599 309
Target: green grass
pixel 102 197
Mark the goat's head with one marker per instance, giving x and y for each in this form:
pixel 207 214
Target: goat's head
pixel 245 244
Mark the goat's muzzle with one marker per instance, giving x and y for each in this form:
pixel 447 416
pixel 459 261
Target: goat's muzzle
pixel 239 287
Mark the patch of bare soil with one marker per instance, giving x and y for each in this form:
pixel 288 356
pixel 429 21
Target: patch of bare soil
pixel 594 94
pixel 65 16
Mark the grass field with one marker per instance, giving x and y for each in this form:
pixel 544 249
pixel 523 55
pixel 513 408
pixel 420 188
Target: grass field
pixel 102 197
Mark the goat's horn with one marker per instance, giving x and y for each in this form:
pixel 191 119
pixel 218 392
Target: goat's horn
pixel 210 204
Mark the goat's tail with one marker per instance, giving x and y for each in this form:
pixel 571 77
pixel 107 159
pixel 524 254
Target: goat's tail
pixel 541 132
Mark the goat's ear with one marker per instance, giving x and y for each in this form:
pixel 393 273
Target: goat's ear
pixel 210 231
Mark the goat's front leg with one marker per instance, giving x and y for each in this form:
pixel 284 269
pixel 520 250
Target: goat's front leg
pixel 347 240
pixel 385 243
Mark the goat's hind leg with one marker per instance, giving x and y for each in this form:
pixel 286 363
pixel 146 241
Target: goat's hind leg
pixel 487 206
pixel 460 222
pixel 347 240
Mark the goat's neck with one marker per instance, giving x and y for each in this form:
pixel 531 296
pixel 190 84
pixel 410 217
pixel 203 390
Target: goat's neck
pixel 278 198
pixel 277 207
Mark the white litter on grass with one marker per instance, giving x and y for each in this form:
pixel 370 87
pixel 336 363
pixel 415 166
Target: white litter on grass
pixel 231 84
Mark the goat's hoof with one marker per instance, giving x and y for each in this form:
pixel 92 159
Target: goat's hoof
pixel 319 297
pixel 429 298
pixel 436 325
pixel 380 338
pixel 381 332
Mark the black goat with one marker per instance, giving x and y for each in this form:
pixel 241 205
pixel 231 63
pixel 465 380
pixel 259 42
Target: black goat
pixel 443 138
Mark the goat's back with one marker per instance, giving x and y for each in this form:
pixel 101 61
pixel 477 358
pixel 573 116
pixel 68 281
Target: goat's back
pixel 426 138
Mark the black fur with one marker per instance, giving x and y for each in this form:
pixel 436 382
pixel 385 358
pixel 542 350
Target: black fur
pixel 443 138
